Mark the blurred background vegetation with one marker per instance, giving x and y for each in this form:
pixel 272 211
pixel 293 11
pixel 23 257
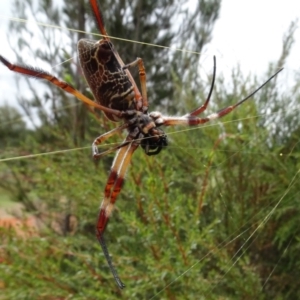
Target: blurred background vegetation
pixel 213 216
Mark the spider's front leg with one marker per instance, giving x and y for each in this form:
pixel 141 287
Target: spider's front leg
pixel 191 119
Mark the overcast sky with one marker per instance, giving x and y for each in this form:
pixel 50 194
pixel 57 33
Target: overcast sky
pixel 248 32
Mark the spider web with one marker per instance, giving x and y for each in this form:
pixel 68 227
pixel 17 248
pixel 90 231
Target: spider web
pixel 229 136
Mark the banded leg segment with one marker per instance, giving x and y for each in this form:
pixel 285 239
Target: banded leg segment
pixel 112 190
pixel 192 120
pixel 114 183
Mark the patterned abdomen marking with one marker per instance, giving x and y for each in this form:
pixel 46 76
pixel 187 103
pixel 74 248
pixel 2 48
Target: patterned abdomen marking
pixel 109 83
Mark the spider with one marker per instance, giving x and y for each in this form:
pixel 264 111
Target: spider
pixel 118 96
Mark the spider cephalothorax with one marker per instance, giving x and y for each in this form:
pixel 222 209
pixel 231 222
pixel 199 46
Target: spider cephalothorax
pixel 118 96
pixel 145 132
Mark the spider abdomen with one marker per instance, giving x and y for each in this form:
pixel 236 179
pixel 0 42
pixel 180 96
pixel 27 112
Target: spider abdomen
pixel 108 81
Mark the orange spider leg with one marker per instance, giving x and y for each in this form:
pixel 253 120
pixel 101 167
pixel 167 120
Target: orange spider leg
pixel 99 19
pixel 29 71
pixel 142 74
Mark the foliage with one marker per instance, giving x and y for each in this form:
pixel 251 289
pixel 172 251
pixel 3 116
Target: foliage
pixel 214 216
pixel 12 128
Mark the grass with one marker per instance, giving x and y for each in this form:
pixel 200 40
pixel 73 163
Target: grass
pixel 8 207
